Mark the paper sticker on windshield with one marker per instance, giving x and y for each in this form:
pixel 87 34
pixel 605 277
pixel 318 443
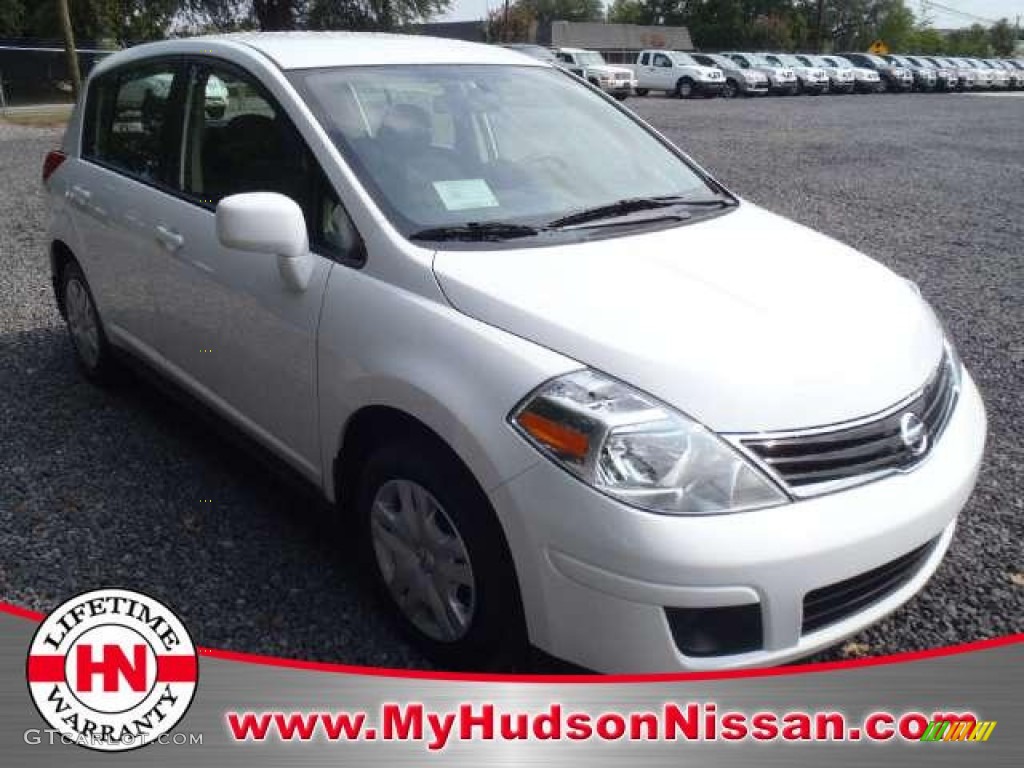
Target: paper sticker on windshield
pixel 463 194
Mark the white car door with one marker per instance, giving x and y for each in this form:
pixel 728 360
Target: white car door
pixel 238 334
pixel 118 188
pixel 664 74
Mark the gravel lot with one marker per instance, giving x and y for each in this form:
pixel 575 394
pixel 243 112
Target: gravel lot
pixel 103 489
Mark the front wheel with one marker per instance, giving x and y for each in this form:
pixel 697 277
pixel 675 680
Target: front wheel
pixel 439 557
pixel 93 353
pixel 684 88
pixel 731 89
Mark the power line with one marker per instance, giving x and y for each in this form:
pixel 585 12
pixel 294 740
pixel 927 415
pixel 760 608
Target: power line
pixel 930 4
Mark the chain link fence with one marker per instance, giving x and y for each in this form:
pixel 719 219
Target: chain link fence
pixel 34 73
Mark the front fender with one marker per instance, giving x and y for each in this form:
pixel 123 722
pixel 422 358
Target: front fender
pixel 381 345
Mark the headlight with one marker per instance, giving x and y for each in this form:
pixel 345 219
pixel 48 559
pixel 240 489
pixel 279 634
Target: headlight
pixel 628 445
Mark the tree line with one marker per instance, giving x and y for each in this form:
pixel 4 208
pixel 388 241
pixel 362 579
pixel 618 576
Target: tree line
pixel 124 21
pixel 783 25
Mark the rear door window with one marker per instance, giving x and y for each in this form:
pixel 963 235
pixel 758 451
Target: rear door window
pixel 129 122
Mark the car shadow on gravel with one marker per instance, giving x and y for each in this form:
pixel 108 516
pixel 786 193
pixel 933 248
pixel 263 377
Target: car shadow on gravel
pixel 129 486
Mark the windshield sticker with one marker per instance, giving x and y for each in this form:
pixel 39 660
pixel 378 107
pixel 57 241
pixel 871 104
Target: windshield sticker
pixel 463 194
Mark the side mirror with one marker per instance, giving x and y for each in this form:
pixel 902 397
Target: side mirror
pixel 268 222
pixel 264 222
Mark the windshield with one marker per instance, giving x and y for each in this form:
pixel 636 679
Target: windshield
pixel 683 59
pixel 720 60
pixel 840 62
pixel 593 58
pixel 757 60
pixel 444 145
pixel 878 61
pixel 790 60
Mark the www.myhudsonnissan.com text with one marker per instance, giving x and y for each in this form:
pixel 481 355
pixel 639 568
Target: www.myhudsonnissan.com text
pixel 673 722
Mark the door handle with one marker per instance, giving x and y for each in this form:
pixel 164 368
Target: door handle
pixel 169 239
pixel 79 195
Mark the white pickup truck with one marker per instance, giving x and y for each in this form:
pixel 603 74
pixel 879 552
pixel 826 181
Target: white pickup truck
pixel 677 73
pixel 617 81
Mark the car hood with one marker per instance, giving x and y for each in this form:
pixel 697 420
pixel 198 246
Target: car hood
pixel 745 321
pixel 708 71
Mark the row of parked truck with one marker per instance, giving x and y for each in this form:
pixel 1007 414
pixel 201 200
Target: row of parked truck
pixel 739 73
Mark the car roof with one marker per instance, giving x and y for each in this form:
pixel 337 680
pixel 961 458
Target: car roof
pixel 309 50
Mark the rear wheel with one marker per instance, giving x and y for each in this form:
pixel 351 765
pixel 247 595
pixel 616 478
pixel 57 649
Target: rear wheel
pixel 641 91
pixel 438 555
pixel 93 353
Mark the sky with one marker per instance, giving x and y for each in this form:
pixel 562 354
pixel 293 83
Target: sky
pixel 987 10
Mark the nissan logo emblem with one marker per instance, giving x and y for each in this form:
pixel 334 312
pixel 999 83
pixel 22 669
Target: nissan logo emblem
pixel 913 433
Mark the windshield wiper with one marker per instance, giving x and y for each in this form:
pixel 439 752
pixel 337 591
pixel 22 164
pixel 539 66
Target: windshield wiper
pixel 476 231
pixel 632 205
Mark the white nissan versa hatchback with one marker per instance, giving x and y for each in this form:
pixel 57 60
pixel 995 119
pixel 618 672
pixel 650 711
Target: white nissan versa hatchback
pixel 565 386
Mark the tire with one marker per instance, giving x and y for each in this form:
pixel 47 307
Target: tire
pixel 458 535
pixel 93 353
pixel 684 88
pixel 621 96
pixel 641 91
pixel 731 89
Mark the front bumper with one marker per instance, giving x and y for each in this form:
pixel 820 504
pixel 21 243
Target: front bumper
pixel 618 87
pixel 869 86
pixel 788 88
pixel 844 86
pixel 709 87
pixel 596 576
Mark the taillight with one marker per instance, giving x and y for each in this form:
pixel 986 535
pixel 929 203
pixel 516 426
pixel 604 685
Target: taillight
pixel 53 161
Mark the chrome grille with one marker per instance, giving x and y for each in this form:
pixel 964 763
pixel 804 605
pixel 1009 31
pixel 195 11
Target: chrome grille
pixel 819 461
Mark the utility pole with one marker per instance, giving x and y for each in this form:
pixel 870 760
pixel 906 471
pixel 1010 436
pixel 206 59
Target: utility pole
pixel 504 25
pixel 818 23
pixel 69 47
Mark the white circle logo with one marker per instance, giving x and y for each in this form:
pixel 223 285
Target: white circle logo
pixel 914 433
pixel 112 670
